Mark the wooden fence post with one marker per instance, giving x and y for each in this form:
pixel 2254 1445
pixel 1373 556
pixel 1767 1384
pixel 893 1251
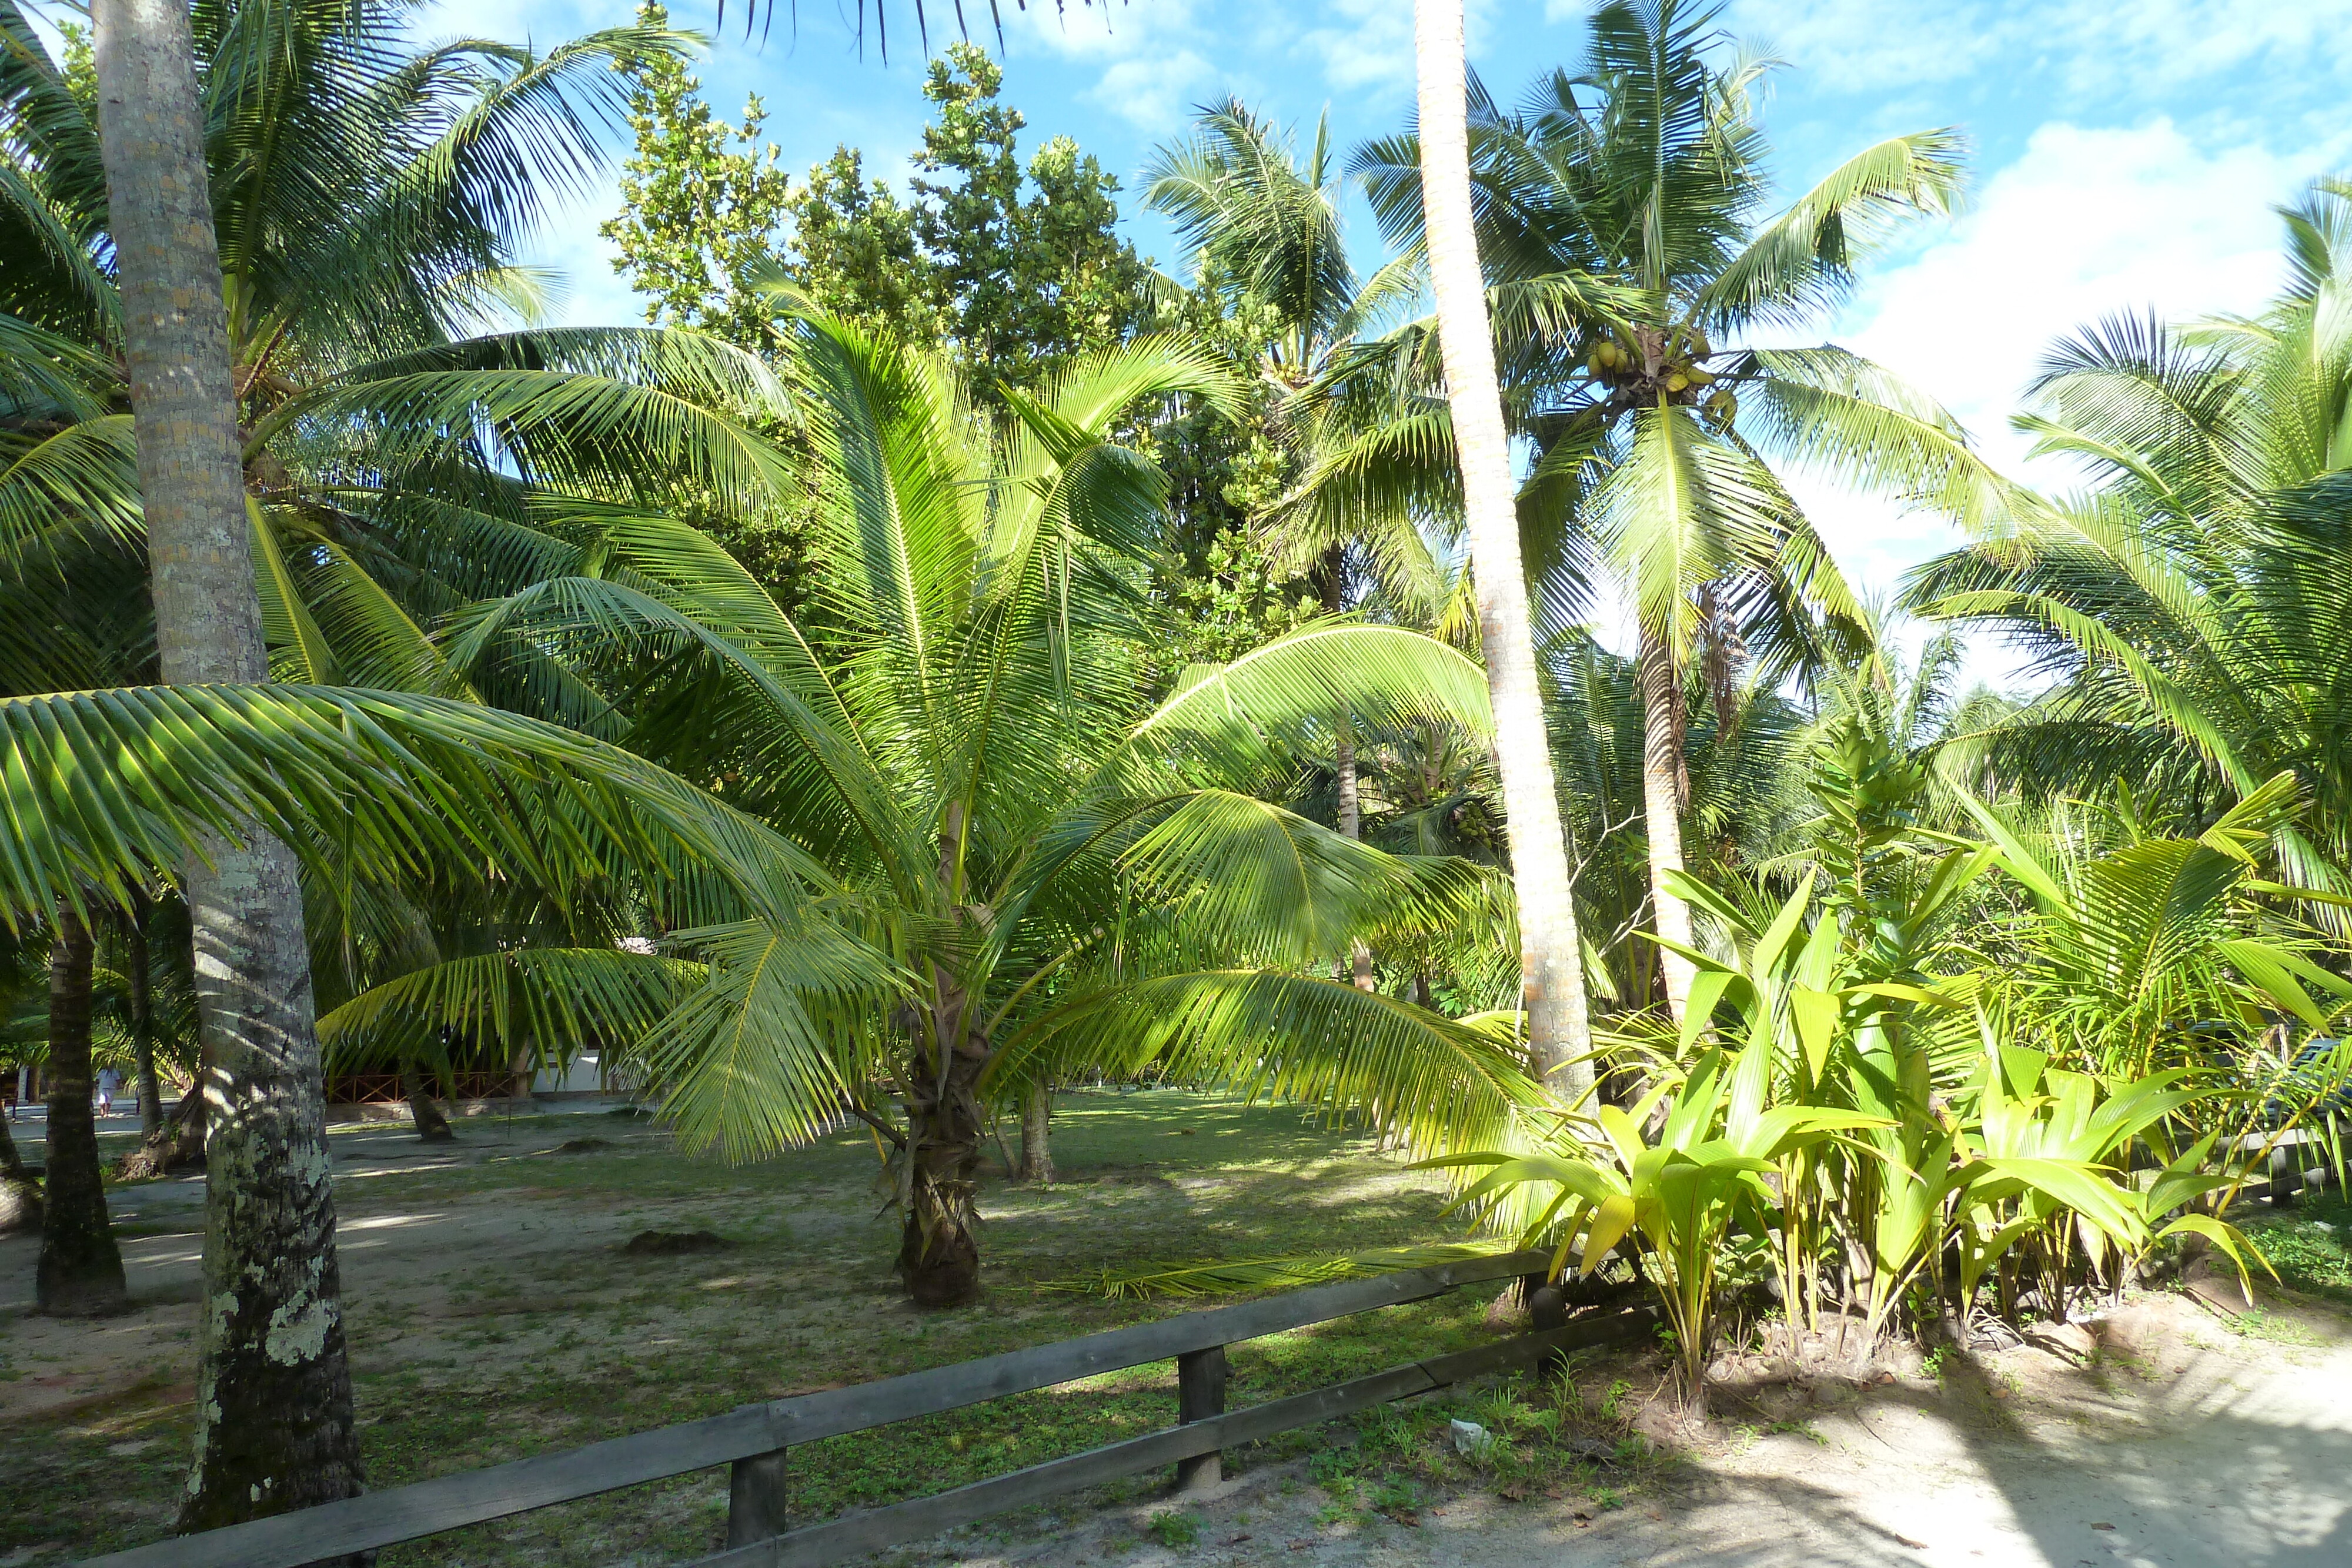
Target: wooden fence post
pixel 756 1497
pixel 1201 1393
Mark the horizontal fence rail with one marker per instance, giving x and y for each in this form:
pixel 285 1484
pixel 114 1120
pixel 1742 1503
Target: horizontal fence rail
pixel 755 1437
pixel 838 1540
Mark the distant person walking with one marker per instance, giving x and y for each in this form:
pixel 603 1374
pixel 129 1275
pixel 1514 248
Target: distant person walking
pixel 108 1081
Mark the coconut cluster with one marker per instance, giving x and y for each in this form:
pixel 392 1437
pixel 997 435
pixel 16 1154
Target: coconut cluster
pixel 1649 365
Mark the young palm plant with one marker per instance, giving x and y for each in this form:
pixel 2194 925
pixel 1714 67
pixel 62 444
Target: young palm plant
pixel 956 728
pixel 1679 1189
pixel 2193 602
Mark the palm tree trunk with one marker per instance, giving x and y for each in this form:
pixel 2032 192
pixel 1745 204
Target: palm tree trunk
pixel 20 1195
pixel 1551 977
pixel 80 1272
pixel 1664 783
pixel 1036 1114
pixel 1332 580
pixel 432 1126
pixel 143 1019
pixel 177 1145
pixel 1351 824
pixel 273 1388
pixel 938 1251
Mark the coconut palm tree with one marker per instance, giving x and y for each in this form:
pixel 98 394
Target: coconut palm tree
pixel 1651 442
pixel 1267 234
pixel 1065 876
pixel 1551 961
pixel 1740 748
pixel 2192 603
pixel 268 1167
pixel 365 198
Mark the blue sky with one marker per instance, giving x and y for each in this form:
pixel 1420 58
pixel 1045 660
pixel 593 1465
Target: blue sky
pixel 2127 156
pixel 2127 153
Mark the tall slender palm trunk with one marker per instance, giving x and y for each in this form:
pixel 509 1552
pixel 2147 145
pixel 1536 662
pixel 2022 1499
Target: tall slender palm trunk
pixel 80 1271
pixel 273 1388
pixel 1347 782
pixel 1665 781
pixel 1351 824
pixel 142 1018
pixel 1551 975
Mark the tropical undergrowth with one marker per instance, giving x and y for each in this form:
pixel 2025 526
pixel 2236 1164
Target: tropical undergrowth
pixel 1929 1081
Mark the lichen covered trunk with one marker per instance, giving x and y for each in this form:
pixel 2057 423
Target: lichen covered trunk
pixel 80 1271
pixel 273 1390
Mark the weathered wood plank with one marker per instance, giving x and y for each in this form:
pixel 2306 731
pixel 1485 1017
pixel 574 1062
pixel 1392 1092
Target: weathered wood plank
pixel 1200 1394
pixel 403 1513
pixel 427 1508
pixel 812 1417
pixel 758 1492
pixel 836 1540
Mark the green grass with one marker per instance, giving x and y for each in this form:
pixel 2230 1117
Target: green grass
pixel 2310 1245
pixel 515 1355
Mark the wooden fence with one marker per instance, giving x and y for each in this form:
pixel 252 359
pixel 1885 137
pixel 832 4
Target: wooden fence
pixel 756 1440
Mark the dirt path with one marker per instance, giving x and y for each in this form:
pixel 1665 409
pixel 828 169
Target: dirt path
pixel 2174 1443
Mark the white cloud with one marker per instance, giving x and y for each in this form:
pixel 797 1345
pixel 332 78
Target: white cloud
pixel 1156 94
pixel 1858 46
pixel 1364 44
pixel 1863 46
pixel 1105 30
pixel 2166 41
pixel 2086 222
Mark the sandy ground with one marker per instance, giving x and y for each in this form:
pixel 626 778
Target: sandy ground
pixel 2167 1439
pixel 394 1258
pixel 2169 1434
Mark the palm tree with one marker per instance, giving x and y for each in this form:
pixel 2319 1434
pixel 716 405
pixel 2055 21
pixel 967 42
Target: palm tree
pixel 2193 604
pixel 1650 441
pixel 1740 745
pixel 81 1270
pixel 270 1202
pixel 1065 876
pixel 349 214
pixel 1268 236
pixel 1550 958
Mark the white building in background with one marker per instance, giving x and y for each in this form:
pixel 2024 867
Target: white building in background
pixel 584 1076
